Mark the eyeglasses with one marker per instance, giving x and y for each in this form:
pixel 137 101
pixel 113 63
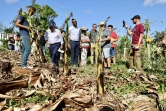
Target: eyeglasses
pixel 101 25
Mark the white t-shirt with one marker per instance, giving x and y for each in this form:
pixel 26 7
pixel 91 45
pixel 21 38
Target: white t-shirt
pixel 17 46
pixel 53 37
pixel 74 33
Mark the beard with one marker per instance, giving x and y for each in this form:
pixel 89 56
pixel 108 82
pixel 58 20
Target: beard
pixel 134 22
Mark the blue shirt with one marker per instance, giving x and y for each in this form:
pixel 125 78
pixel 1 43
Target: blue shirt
pixel 24 22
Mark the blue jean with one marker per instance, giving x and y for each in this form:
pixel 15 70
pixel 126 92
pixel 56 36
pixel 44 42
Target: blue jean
pixel 43 49
pixel 113 51
pixel 11 47
pixel 75 48
pixel 54 52
pixel 26 49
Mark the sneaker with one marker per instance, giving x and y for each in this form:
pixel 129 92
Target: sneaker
pixel 130 70
pixel 61 51
pixel 137 71
pixel 27 67
pixel 24 67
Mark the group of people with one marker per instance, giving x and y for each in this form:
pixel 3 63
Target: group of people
pixel 80 42
pixel 14 42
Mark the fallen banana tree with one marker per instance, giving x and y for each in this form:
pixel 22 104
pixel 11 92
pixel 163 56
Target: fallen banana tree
pixel 47 88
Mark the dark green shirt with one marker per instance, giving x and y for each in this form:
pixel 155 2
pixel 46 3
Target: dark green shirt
pixel 93 36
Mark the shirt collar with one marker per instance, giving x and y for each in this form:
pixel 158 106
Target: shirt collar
pixel 53 31
pixel 94 30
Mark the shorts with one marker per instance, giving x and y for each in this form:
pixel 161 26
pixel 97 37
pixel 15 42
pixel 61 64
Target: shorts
pixel 106 52
pixel 113 52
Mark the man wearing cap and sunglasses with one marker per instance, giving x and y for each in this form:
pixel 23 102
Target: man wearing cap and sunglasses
pixel 137 41
pixel 106 45
pixel 54 41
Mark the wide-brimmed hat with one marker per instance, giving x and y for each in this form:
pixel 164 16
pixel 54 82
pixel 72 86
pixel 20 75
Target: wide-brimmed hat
pixel 102 23
pixel 136 17
pixel 84 28
pixel 11 35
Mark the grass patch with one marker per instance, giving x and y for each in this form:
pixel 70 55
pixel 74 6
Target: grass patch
pixel 35 98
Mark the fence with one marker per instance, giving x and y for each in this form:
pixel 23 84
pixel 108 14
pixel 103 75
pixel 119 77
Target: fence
pixel 4 36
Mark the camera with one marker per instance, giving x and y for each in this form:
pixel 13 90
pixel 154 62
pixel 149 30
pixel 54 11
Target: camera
pixel 124 23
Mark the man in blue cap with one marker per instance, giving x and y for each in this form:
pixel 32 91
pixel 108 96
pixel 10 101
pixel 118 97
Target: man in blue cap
pixel 54 41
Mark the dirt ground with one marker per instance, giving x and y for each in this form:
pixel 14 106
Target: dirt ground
pixel 46 88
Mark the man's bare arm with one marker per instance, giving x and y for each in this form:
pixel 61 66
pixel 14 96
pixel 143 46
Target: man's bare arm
pixel 20 26
pixel 140 39
pixel 129 31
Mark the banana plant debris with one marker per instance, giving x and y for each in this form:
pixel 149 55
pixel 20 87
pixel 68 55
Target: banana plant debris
pixel 46 88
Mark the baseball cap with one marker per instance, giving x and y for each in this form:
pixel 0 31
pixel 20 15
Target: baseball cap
pixel 136 17
pixel 52 24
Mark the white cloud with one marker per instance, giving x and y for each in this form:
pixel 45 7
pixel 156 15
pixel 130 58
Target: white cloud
pixel 152 2
pixel 89 11
pixel 11 1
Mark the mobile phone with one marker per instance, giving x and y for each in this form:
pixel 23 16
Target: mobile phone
pixel 124 23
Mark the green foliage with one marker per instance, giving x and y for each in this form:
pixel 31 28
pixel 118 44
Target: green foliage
pixel 5 43
pixel 157 60
pixel 36 98
pixel 124 42
pixel 43 15
pixel 2 27
pixel 158 36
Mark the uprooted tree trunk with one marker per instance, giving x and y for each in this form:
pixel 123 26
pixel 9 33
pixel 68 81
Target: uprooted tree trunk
pixel 5 66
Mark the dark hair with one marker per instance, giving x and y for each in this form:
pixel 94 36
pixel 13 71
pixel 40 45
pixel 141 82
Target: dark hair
pixel 33 8
pixel 93 24
pixel 63 31
pixel 18 35
pixel 73 20
pixel 111 26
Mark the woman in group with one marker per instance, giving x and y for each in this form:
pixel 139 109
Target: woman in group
pixel 17 43
pixel 84 45
pixel 11 42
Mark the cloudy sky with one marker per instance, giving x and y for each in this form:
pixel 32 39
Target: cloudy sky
pixel 88 12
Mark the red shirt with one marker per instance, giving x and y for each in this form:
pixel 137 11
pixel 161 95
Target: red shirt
pixel 138 29
pixel 114 36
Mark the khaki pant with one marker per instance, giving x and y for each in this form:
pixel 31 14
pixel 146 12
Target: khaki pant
pixel 135 54
pixel 94 52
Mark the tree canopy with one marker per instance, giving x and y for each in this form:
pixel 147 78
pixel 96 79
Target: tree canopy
pixel 43 15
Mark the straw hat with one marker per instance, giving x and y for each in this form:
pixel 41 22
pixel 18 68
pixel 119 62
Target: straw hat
pixel 102 23
pixel 84 28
